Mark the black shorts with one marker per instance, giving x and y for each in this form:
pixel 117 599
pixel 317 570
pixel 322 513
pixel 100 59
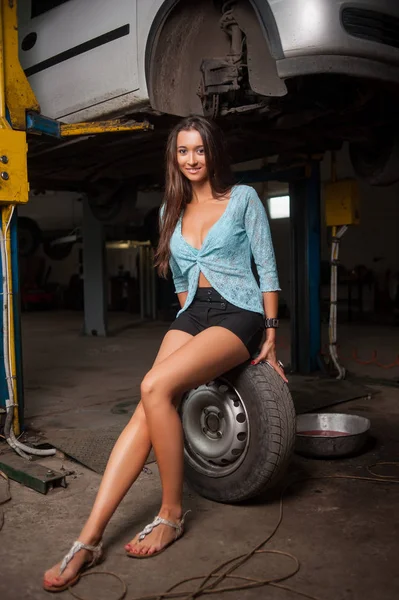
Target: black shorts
pixel 209 309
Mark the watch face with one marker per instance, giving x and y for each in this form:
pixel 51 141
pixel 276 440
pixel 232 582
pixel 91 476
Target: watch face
pixel 269 323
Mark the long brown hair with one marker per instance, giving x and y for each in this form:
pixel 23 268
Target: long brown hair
pixel 178 189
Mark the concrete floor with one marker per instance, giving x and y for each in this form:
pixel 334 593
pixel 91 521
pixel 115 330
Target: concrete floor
pixel 344 533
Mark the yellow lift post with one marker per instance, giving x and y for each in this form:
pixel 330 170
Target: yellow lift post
pixel 19 115
pixel 17 97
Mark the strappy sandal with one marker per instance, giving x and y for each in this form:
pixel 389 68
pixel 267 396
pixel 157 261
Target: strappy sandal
pixel 179 526
pixel 77 546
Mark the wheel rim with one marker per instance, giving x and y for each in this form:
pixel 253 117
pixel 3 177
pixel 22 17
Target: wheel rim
pixel 216 428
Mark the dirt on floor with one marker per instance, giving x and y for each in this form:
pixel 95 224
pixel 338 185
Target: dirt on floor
pixel 343 532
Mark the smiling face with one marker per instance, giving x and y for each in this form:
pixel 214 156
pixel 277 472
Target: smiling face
pixel 191 156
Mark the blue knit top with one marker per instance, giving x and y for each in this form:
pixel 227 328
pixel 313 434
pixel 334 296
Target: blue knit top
pixel 242 232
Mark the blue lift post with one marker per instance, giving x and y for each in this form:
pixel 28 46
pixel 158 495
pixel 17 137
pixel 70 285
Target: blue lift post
pixel 305 272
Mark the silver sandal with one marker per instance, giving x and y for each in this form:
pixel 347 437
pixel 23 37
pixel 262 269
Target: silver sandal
pixel 76 547
pixel 179 527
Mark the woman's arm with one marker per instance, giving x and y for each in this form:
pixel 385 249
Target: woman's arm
pixel 270 304
pixel 268 350
pixel 180 282
pixel 258 231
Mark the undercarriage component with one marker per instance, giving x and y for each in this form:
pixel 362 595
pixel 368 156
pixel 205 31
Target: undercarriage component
pixel 232 84
pixel 377 160
pixel 221 76
pixel 218 77
pixel 112 204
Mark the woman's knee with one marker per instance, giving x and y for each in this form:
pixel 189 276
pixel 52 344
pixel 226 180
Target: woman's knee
pixel 154 386
pixel 148 385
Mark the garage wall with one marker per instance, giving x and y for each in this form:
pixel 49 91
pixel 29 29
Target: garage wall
pixel 125 260
pixel 54 210
pixel 375 242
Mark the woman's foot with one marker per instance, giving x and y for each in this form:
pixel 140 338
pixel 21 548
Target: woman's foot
pixel 160 537
pixel 55 580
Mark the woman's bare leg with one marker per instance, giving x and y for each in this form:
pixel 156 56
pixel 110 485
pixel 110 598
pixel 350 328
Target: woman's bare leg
pixel 208 355
pixel 124 466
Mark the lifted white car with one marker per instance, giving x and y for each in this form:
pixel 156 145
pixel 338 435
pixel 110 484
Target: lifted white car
pixel 299 75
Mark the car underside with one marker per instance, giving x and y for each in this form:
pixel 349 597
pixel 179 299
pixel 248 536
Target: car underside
pixel 220 65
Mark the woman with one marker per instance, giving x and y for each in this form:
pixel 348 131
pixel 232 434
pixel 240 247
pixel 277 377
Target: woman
pixel 209 230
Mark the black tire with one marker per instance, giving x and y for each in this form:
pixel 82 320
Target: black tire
pixel 272 425
pixel 29 236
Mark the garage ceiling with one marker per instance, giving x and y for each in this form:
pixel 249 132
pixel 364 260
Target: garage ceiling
pixel 75 164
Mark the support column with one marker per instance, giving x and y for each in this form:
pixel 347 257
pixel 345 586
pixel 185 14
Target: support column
pixel 13 324
pixel 305 277
pixel 148 292
pixel 16 300
pixel 94 274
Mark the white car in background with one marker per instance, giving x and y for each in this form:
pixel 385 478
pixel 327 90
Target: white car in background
pixel 298 75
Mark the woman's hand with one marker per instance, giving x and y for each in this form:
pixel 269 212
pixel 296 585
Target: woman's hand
pixel 268 354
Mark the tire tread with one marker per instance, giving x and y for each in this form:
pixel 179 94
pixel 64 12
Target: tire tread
pixel 276 418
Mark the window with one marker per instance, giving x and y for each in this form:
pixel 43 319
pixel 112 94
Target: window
pixel 41 6
pixel 279 207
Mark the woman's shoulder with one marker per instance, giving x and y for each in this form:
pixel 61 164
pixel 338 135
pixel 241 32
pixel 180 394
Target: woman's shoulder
pixel 246 194
pixel 245 191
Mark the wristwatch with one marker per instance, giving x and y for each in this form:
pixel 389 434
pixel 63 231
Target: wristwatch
pixel 271 323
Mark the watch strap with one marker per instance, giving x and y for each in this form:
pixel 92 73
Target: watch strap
pixel 271 323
